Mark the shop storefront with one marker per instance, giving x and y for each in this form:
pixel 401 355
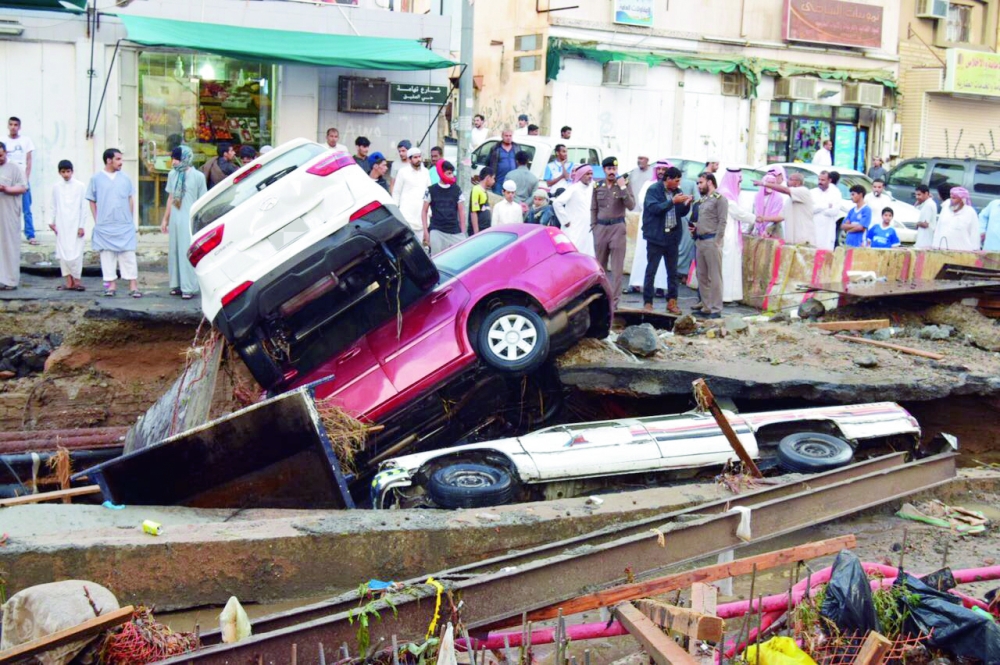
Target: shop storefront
pixel 798 129
pixel 200 100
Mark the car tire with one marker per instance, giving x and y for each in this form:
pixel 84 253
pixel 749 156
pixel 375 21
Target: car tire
pixel 470 486
pixel 260 363
pixel 513 339
pixel 417 264
pixel 813 452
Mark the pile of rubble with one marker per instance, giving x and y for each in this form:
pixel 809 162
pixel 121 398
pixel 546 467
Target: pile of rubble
pixel 21 355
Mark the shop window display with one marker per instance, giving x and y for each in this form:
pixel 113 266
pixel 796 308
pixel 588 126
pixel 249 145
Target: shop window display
pixel 199 100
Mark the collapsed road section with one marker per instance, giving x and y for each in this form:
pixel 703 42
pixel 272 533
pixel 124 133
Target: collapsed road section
pixel 497 596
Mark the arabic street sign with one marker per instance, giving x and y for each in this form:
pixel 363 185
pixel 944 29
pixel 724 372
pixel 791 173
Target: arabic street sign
pixel 833 22
pixel 973 72
pixel 412 93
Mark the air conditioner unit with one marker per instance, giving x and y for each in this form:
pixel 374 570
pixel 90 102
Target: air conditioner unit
pixel 612 73
pixel 795 88
pixel 936 9
pixel 634 73
pixel 362 95
pixel 864 94
pixel 734 85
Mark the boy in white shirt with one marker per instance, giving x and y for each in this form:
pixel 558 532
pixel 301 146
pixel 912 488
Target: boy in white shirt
pixel 69 210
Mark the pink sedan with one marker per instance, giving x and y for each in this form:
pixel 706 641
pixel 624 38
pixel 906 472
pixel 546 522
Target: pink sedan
pixel 506 300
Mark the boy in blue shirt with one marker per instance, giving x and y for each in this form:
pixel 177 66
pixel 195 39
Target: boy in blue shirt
pixel 883 236
pixel 858 220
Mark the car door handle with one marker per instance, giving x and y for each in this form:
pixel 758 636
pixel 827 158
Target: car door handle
pixel 350 354
pixel 441 295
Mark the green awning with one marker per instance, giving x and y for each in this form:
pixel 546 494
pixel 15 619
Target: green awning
pixel 47 5
pixel 751 68
pixel 284 46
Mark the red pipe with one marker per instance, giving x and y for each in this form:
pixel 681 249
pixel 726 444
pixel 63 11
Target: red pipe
pixel 36 434
pixel 577 632
pixel 75 443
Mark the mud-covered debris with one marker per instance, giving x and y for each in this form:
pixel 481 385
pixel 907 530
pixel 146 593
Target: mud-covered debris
pixel 686 325
pixel 866 360
pixel 935 332
pixel 736 324
pixel 811 309
pixel 640 340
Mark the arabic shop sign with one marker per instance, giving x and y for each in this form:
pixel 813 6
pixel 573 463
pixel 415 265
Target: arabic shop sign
pixel 634 12
pixel 833 22
pixel 973 72
pixel 412 93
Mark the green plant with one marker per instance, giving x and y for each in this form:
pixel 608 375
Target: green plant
pixel 892 606
pixel 3 586
pixel 368 608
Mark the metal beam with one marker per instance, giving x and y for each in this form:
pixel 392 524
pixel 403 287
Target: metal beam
pixel 345 602
pixel 495 596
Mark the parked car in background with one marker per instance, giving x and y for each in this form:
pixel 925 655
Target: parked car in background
pixel 282 246
pixel 905 215
pixel 569 460
pixel 692 168
pixel 542 151
pixel 979 176
pixel 508 299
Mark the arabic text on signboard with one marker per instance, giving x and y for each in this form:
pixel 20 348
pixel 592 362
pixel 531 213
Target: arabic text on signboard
pixel 833 22
pixel 973 72
pixel 407 93
pixel 634 12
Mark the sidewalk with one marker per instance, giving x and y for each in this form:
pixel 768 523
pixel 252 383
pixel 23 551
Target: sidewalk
pixel 152 249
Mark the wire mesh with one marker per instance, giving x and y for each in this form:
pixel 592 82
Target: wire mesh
pixel 845 649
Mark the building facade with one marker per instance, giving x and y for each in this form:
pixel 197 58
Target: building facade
pixel 754 81
pixel 949 79
pixel 145 82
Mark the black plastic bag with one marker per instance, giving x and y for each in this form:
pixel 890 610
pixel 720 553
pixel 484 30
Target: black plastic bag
pixel 941 580
pixel 848 602
pixel 956 629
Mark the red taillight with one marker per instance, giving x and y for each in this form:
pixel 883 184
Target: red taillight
pixel 562 242
pixel 235 293
pixel 242 175
pixel 205 244
pixel 361 212
pixel 331 164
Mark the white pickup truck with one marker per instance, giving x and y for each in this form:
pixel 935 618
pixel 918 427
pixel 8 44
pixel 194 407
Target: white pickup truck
pixel 542 150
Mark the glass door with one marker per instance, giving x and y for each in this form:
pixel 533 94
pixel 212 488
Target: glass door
pixel 807 137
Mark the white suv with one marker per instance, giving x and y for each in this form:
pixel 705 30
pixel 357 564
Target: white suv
pixel 290 242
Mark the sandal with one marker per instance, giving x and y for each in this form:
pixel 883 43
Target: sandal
pixel 32 241
pixel 109 293
pixel 187 296
pixel 61 287
pixel 4 287
pixel 135 293
pixel 79 287
pixel 175 292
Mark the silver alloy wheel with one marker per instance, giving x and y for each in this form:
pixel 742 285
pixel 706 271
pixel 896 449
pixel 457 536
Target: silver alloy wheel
pixel 512 337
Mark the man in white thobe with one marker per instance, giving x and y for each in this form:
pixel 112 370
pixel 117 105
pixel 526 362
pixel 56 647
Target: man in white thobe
pixel 827 201
pixel 740 220
pixel 13 184
pixel 409 188
pixel 824 156
pixel 69 214
pixel 573 210
pixel 927 222
pixel 958 224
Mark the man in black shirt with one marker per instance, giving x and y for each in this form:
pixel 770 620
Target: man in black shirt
pixel 663 209
pixel 363 145
pixel 446 203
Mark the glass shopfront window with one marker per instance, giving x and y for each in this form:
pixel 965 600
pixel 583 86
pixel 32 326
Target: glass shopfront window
pixel 797 129
pixel 201 101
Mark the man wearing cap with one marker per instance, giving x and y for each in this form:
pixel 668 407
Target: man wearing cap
pixel 409 188
pixel 522 125
pixel 378 167
pixel 710 218
pixel 446 204
pixel 607 221
pixel 508 211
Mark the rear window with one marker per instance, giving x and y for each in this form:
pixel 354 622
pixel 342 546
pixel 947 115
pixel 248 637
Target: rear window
pixel 234 195
pixel 910 174
pixel 987 180
pixel 946 176
pixel 472 251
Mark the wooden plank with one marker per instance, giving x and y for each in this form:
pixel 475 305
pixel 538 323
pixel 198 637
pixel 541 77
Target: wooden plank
pixel 660 647
pixel 687 622
pixel 867 324
pixel 704 599
pixel 705 397
pixel 719 571
pixel 42 497
pixel 83 631
pixel 893 347
pixel 873 650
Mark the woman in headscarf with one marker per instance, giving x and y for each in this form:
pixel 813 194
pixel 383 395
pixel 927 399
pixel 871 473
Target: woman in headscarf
pixel 740 221
pixel 185 185
pixel 958 224
pixel 636 277
pixel 767 207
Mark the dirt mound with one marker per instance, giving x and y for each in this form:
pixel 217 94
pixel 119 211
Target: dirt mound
pixel 982 331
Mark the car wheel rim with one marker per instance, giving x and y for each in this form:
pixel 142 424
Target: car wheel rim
pixel 512 337
pixel 467 479
pixel 814 449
